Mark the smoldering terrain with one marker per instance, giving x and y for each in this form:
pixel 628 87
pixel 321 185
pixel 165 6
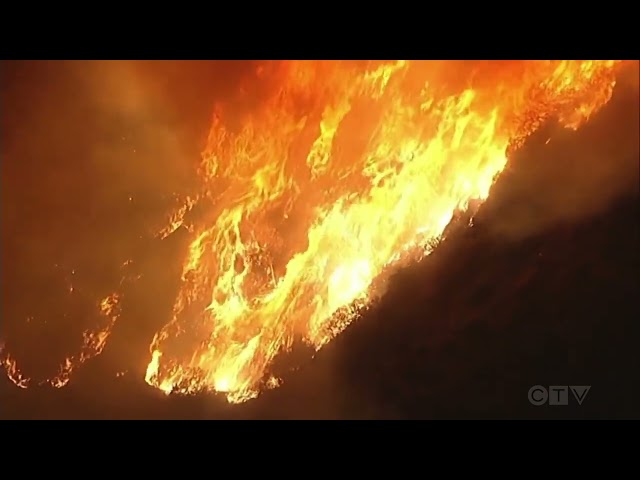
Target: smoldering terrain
pixel 542 289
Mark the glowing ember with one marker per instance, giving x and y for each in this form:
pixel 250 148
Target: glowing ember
pixel 13 373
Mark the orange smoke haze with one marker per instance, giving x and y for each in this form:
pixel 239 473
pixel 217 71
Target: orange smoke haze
pixel 317 180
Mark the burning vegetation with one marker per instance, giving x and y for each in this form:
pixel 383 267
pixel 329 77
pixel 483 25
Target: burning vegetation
pixel 317 181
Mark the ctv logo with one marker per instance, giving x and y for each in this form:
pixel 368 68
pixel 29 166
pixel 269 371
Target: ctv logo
pixel 557 395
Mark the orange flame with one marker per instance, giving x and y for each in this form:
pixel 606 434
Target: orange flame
pixel 13 372
pixel 326 184
pixel 94 341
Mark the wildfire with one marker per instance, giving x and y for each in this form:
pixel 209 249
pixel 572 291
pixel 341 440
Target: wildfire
pixel 13 372
pixel 94 341
pixel 324 185
pixel 318 185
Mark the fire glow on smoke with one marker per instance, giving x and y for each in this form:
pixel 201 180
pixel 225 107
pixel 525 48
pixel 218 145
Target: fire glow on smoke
pixel 340 172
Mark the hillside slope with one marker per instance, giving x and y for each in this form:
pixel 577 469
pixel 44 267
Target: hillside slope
pixel 542 289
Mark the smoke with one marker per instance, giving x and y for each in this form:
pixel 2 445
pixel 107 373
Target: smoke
pixel 562 176
pixel 92 151
pixel 92 155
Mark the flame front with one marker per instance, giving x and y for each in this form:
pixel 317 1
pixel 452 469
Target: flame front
pixel 319 189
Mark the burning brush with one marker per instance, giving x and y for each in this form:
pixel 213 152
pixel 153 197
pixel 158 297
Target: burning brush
pixel 335 175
